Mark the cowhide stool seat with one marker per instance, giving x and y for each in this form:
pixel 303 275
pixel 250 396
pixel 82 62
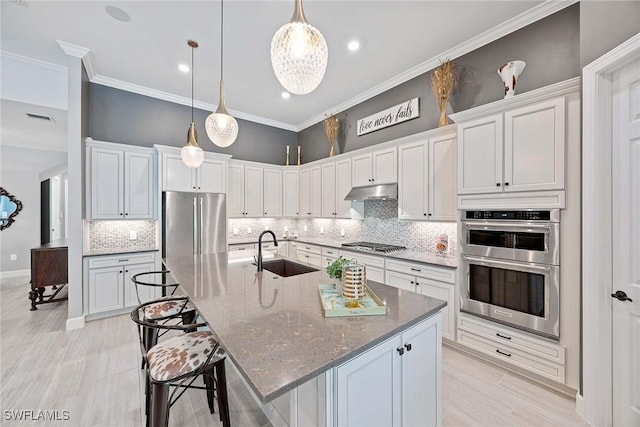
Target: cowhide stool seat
pixel 175 363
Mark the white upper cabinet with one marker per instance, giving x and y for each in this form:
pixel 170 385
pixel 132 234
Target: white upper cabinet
pixel 235 193
pixel 329 190
pixel 534 141
pixel 209 177
pixel 378 167
pixel 480 156
pixel 290 193
pixel 245 193
pixel 272 192
pixel 343 186
pixel 311 192
pixel 518 150
pixel 121 182
pixel 427 179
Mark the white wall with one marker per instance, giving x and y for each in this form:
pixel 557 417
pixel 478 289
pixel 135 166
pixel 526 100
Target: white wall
pixel 20 170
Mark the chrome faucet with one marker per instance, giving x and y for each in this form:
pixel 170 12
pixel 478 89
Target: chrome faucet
pixel 275 241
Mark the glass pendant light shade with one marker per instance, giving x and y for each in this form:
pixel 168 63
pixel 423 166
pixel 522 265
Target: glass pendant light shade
pixel 222 128
pixel 299 54
pixel 192 155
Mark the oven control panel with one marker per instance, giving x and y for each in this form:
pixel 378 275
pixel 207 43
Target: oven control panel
pixel 509 215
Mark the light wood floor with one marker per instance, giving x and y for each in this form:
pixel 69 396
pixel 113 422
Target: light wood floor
pixel 94 373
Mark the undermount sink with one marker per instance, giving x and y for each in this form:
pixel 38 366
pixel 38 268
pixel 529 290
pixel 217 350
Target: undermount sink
pixel 286 268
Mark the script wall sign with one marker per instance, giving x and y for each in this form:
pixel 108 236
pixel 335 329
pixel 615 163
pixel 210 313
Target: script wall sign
pixel 391 116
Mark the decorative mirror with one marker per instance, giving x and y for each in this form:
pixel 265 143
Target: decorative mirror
pixel 9 208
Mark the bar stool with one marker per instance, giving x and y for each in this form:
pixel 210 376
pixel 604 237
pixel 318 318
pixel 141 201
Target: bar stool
pixel 163 309
pixel 177 362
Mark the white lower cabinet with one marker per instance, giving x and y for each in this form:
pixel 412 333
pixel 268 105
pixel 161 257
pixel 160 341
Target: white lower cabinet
pixel 374 264
pixel 396 383
pixel 109 285
pixel 432 281
pixel 537 355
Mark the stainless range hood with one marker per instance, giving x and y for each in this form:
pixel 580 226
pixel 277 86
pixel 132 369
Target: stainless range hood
pixel 373 192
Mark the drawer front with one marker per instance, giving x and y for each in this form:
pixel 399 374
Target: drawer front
pixel 309 248
pixel 247 247
pixel 428 271
pixel 376 274
pixel 327 261
pixel 518 358
pixel 368 260
pixel 330 252
pixel 123 259
pixel 507 337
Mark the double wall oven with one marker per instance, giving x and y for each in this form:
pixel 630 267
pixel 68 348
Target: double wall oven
pixel 511 266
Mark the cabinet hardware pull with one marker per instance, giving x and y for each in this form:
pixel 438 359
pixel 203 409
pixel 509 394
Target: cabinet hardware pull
pixel 408 346
pixel 120 213
pixel 126 271
pixel 400 350
pixel 418 284
pixel 415 269
pixel 622 296
pixel 497 184
pixel 242 249
pixel 123 260
pixel 265 213
pixel 506 183
pixel 127 213
pixel 412 282
pixel 429 214
pixel 503 336
pixel 503 353
pixel 424 214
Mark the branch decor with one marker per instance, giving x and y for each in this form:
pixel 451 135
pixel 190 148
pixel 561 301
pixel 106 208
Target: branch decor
pixel 331 125
pixel 443 80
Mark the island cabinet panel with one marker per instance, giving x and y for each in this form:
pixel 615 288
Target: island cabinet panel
pixel 369 387
pixel 396 383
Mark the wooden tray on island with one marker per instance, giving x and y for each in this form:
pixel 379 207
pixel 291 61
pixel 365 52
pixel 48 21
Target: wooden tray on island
pixel 335 305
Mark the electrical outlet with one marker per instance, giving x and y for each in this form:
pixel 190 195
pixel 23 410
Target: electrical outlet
pixel 266 227
pixel 133 235
pixel 342 232
pixel 249 230
pixel 235 231
pixel 14 257
pixel 321 230
pixel 305 228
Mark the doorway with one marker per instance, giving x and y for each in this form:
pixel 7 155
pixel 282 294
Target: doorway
pixel 611 238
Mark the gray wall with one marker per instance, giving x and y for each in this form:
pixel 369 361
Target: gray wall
pixel 550 48
pixel 21 168
pixel 604 25
pixel 129 118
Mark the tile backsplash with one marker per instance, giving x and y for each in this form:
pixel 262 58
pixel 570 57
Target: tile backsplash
pixel 116 234
pixel 380 225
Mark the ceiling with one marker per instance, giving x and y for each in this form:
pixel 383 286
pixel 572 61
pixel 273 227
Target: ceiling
pixel 20 130
pixel 395 36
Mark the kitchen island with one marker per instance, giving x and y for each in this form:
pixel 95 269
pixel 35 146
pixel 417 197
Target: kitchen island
pixel 306 369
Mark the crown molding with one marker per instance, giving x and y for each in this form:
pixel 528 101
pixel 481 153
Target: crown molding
pixel 517 22
pixel 73 49
pixel 520 100
pixel 177 99
pixel 9 56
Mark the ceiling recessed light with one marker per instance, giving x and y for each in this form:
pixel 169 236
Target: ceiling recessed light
pixel 184 68
pixel 117 13
pixel 285 95
pixel 353 45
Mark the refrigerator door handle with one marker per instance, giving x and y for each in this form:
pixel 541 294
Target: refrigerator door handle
pixel 201 230
pixel 195 227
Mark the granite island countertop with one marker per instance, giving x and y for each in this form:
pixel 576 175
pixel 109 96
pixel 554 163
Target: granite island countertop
pixel 273 328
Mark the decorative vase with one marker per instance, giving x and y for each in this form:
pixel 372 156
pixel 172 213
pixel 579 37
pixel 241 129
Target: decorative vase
pixel 354 281
pixel 509 74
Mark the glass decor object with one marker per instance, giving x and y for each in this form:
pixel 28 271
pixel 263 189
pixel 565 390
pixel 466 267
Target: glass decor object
pixel 10 207
pixel 354 280
pixel 222 128
pixel 192 155
pixel 299 54
pixel 509 74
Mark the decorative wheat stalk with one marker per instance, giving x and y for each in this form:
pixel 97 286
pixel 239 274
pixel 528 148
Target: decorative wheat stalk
pixel 331 129
pixel 443 80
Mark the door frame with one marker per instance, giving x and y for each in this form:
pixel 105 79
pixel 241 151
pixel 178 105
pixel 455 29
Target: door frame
pixel 597 248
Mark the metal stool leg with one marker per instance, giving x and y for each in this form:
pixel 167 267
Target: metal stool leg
pixel 223 399
pixel 159 405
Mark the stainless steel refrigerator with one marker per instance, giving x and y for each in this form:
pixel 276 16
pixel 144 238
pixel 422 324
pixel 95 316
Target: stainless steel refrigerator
pixel 193 223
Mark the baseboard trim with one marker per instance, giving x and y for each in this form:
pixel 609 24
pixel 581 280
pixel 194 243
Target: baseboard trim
pixel 580 405
pixel 75 323
pixel 14 273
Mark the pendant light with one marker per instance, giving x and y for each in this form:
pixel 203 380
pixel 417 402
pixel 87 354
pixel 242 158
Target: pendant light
pixel 192 155
pixel 221 127
pixel 299 54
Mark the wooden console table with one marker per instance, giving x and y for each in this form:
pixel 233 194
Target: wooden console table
pixel 49 267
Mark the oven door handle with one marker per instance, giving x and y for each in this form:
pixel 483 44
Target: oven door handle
pixel 505 226
pixel 502 264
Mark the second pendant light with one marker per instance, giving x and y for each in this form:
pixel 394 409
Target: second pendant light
pixel 221 127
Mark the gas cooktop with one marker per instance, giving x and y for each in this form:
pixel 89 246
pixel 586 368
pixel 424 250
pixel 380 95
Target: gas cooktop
pixel 373 247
